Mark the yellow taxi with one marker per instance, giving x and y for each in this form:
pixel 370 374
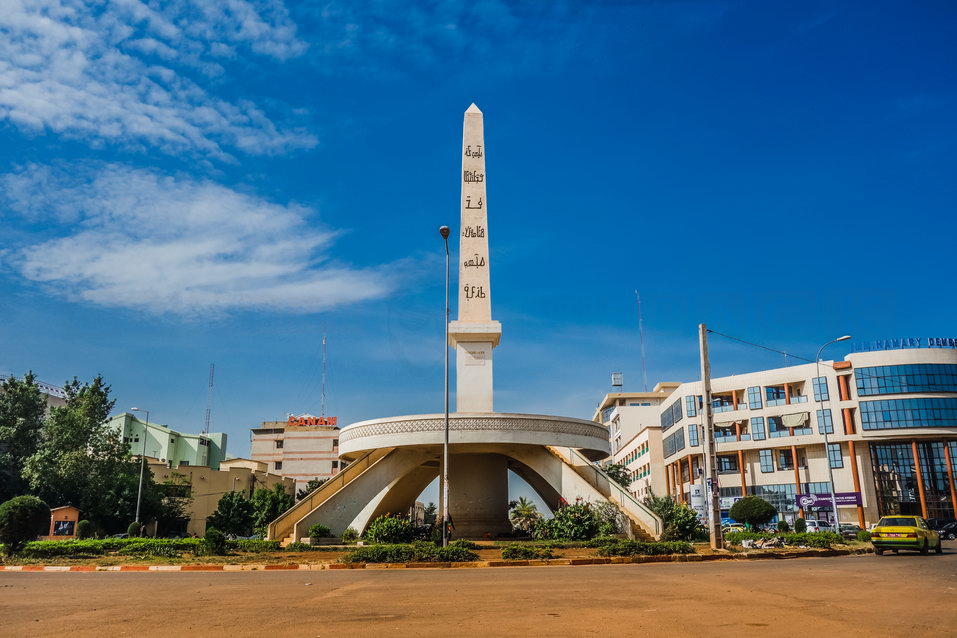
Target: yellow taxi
pixel 904 532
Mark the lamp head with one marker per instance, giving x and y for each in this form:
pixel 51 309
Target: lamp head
pixel 844 338
pixel 444 231
pixel 135 409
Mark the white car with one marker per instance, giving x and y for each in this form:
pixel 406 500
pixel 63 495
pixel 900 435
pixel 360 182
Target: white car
pixel 818 526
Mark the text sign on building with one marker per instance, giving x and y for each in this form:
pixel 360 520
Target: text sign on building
pixel 311 420
pixel 904 343
pixel 824 500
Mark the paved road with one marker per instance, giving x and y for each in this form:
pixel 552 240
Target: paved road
pixel 906 595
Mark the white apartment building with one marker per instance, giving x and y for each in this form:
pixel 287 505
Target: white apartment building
pixel 302 448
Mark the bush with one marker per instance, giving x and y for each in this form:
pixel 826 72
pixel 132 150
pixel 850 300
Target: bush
pixel 350 535
pixel 601 541
pixel 526 552
pixel 641 548
pixel 133 530
pixel 319 531
pixel 680 521
pixel 864 536
pixel 55 549
pixel 800 526
pixel 167 547
pixel 783 526
pixel 84 530
pixel 152 547
pixel 214 542
pixel 253 545
pixel 418 552
pixel 464 544
pixel 753 511
pixel 577 522
pixel 387 529
pixel 806 539
pixel 22 519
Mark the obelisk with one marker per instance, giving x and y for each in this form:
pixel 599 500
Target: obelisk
pixel 474 334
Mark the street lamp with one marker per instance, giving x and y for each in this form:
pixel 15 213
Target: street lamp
pixel 827 444
pixel 444 231
pixel 139 492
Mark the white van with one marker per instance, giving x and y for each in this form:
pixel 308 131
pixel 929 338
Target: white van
pixel 818 526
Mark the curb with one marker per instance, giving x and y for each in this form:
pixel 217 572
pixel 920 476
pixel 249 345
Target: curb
pixel 615 560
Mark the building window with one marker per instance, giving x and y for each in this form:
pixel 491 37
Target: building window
pixel 693 435
pixel 908 413
pixel 184 462
pixel 820 389
pixel 901 379
pixel 691 406
pixel 727 464
pixel 278 465
pixel 606 414
pixel 776 427
pixel 767 461
pixel 824 422
pixel 671 415
pixel 754 398
pixel 278 444
pixel 335 465
pixel 775 396
pixel 674 443
pixel 757 428
pixel 834 455
pixel 335 444
pixel 786 461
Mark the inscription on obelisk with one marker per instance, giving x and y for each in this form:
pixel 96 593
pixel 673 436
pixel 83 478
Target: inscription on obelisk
pixel 474 334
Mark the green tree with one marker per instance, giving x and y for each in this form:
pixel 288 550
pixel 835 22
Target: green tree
pixel 311 486
pixel 233 515
pixel 524 515
pixel 430 514
pixel 268 504
pixel 680 521
pixel 753 511
pixel 22 519
pixel 800 526
pixel 22 409
pixel 618 473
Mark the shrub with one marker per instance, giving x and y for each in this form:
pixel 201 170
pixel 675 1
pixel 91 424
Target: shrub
pixel 680 521
pixel 319 531
pixel 133 529
pixel 22 519
pixel 84 530
pixel 641 548
pixel 577 522
pixel 253 545
pixel 526 552
pixel 783 526
pixel 214 542
pixel 350 535
pixel 600 541
pixel 298 547
pixel 800 526
pixel 864 536
pixel 454 554
pixel 387 529
pixel 55 549
pixel 418 552
pixel 753 511
pixel 464 544
pixel 152 547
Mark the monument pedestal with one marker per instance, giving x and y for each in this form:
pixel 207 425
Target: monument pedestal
pixel 479 502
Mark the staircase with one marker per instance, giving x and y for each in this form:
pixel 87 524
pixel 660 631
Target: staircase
pixel 645 524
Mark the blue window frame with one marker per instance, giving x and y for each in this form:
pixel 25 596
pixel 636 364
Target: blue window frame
pixel 776 427
pixel 693 435
pixel 754 398
pixel 757 428
pixel 691 405
pixel 767 460
pixel 671 415
pixel 886 414
pixel 821 392
pixel 824 422
pixel 834 455
pixel 902 379
pixel 674 443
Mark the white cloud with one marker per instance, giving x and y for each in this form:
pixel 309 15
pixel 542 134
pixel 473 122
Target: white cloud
pixel 120 71
pixel 140 240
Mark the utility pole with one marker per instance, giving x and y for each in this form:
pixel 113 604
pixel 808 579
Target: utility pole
pixel 710 457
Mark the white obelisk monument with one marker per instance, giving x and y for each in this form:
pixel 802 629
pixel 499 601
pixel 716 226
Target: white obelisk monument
pixel 474 334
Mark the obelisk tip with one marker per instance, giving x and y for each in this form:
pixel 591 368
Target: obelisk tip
pixel 473 109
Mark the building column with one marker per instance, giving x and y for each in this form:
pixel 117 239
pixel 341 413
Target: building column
pixel 668 479
pixel 734 398
pixel 744 485
pixel 737 429
pixel 787 394
pixel 950 478
pixel 848 419
pixel 920 479
pixel 690 474
pixel 857 485
pixel 797 477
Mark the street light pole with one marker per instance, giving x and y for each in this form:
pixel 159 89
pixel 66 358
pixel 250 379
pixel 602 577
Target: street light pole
pixel 444 231
pixel 827 444
pixel 139 491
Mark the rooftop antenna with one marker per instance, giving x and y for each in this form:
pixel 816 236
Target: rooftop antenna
pixel 322 395
pixel 641 339
pixel 209 397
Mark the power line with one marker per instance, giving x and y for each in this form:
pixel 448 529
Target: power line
pixel 758 345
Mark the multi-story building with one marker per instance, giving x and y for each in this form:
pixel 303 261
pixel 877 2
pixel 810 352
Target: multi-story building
pixel 302 448
pixel 634 428
pixel 891 423
pixel 167 445
pixel 54 395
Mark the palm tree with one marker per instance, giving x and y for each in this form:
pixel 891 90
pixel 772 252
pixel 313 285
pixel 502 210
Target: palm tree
pixel 524 514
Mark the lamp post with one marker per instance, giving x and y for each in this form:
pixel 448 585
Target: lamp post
pixel 139 491
pixel 444 231
pixel 827 444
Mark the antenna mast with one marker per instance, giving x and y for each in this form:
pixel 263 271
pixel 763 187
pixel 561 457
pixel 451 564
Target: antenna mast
pixel 322 395
pixel 641 338
pixel 209 397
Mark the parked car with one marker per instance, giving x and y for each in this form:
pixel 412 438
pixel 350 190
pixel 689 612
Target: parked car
pixel 734 527
pixel 817 526
pixel 850 530
pixel 948 532
pixel 904 532
pixel 938 524
pixel 123 535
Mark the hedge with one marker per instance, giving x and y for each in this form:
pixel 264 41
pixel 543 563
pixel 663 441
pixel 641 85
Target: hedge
pixel 418 552
pixel 526 552
pixel 641 548
pixel 253 545
pixel 807 539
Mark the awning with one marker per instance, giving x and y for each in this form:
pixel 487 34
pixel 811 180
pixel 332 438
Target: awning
pixel 725 424
pixel 794 420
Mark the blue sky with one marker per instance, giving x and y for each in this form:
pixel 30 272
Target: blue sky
pixel 184 183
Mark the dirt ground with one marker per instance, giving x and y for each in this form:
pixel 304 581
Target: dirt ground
pixel 905 595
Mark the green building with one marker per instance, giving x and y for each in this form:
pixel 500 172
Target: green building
pixel 169 446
